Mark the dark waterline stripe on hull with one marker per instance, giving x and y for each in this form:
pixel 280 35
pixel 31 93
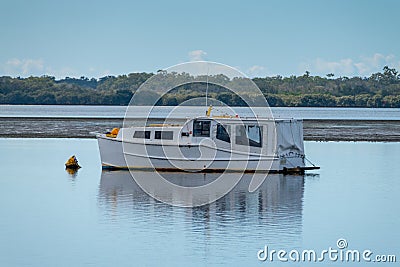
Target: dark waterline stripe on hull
pixel 299 170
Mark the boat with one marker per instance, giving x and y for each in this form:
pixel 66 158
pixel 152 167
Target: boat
pixel 208 144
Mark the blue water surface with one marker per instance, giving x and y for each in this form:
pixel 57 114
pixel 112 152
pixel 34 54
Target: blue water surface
pixel 97 218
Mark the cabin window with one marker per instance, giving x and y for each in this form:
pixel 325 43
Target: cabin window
pixel 142 134
pixel 254 133
pixel 223 133
pixel 249 135
pixel 165 135
pixel 201 128
pixel 241 137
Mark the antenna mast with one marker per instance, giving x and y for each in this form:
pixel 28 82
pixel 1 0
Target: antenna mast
pixel 207 89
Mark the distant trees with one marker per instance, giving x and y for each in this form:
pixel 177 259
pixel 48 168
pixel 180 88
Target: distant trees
pixel 381 89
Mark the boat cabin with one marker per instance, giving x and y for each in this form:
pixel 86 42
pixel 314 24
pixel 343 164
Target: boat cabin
pixel 248 135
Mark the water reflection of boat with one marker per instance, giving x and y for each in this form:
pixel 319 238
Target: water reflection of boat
pixel 277 201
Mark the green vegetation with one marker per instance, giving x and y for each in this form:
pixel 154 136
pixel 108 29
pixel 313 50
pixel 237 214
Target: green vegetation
pixel 381 89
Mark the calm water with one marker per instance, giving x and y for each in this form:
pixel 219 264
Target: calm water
pixel 95 218
pixel 119 112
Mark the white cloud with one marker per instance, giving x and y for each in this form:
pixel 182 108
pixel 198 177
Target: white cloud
pixel 363 66
pixel 24 67
pixel 62 73
pixel 99 73
pixel 256 71
pixel 369 65
pixel 34 67
pixel 197 55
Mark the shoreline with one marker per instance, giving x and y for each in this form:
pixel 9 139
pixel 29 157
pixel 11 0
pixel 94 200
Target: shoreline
pixel 314 130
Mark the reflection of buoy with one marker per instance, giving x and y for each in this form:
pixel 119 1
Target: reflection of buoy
pixel 71 172
pixel 72 163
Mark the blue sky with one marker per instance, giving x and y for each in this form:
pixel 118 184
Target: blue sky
pixel 98 38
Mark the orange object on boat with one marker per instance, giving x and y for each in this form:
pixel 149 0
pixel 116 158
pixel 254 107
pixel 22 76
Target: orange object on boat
pixel 114 131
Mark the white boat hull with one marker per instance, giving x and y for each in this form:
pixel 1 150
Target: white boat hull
pixel 118 155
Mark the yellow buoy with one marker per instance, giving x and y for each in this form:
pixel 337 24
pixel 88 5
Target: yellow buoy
pixel 72 163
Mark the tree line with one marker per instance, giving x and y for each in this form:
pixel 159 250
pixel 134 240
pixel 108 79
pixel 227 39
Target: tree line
pixel 381 89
